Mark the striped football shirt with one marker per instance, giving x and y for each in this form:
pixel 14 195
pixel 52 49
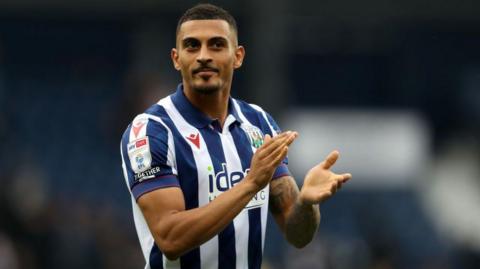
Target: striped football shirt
pixel 173 144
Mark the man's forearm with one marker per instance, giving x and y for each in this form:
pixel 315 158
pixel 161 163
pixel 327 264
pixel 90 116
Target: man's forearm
pixel 301 224
pixel 188 229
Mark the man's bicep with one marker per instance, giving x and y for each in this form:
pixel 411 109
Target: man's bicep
pixel 158 204
pixel 283 194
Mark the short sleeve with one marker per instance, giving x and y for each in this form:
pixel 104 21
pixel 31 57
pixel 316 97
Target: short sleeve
pixel 282 169
pixel 147 157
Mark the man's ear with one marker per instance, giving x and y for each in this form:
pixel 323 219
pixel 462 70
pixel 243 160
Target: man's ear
pixel 239 55
pixel 174 56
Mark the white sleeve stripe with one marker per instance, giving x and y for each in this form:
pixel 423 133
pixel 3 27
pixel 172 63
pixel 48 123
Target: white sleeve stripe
pixel 124 168
pixel 171 160
pixel 135 209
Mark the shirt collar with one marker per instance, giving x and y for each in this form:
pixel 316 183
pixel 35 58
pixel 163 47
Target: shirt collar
pixel 193 115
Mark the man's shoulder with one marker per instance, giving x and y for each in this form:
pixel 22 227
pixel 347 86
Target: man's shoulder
pixel 246 107
pixel 156 113
pixel 256 115
pixel 152 120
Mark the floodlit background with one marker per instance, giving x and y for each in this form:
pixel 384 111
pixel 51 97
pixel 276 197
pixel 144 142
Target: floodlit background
pixel 393 85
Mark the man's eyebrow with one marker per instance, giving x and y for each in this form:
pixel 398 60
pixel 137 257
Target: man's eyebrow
pixel 218 38
pixel 189 39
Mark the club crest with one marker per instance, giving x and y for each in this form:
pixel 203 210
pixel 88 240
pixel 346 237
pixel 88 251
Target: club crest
pixel 254 134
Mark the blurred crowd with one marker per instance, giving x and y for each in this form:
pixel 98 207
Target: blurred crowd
pixel 69 87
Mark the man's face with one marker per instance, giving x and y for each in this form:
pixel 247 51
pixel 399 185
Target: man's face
pixel 206 55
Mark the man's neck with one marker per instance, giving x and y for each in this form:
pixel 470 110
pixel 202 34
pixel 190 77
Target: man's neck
pixel 214 105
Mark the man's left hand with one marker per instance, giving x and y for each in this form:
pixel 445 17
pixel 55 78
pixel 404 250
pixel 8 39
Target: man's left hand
pixel 320 182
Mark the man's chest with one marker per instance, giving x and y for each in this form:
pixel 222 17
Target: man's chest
pixel 215 162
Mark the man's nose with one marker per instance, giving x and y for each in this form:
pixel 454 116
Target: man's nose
pixel 204 56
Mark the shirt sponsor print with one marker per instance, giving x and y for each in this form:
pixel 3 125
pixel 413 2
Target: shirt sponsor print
pixel 224 180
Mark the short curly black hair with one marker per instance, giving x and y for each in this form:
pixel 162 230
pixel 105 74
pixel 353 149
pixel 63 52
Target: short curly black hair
pixel 207 12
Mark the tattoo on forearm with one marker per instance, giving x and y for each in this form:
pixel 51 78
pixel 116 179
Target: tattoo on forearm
pixel 300 222
pixel 282 195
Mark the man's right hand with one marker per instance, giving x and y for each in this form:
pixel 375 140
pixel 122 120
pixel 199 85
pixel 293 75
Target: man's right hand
pixel 268 157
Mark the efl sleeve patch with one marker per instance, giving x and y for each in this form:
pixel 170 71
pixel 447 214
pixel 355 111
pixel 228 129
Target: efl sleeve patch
pixel 140 155
pixel 146 161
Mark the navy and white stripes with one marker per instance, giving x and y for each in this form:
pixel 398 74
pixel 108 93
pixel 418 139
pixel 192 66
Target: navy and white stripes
pixel 173 144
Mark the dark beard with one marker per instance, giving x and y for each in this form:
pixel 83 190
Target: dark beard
pixel 206 90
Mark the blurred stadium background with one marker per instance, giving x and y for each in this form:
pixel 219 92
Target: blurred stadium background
pixel 394 85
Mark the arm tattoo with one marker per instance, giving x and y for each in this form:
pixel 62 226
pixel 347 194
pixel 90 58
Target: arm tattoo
pixel 302 224
pixel 282 195
pixel 299 222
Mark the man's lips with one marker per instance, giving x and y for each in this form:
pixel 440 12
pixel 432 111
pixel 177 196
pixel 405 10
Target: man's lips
pixel 206 74
pixel 205 71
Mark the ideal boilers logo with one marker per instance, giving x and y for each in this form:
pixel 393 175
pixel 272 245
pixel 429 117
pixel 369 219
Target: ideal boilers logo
pixel 224 180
